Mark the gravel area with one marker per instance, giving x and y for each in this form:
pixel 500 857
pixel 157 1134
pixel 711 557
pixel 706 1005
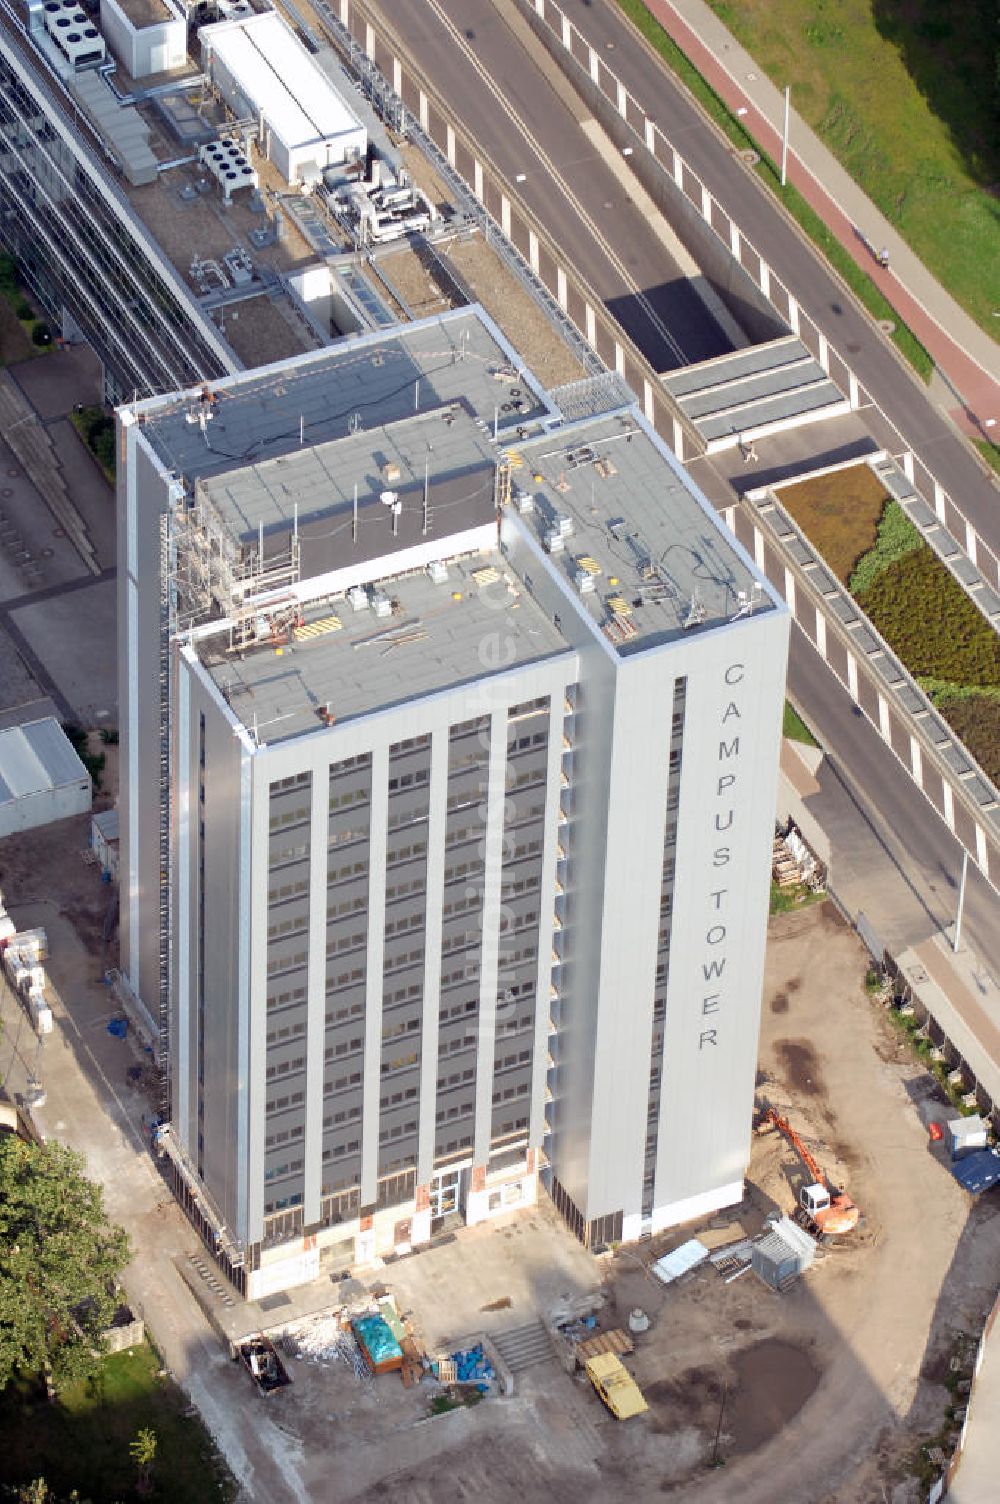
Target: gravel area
pixel 505 300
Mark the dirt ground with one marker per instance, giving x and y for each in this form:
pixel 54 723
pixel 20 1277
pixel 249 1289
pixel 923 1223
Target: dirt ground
pixel 54 864
pixel 824 1394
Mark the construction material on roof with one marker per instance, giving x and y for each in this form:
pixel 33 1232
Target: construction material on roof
pixel 672 1265
pixel 41 777
pixel 267 78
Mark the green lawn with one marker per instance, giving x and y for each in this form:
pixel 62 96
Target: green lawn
pixel 82 1440
pixel 864 289
pixel 794 727
pixel 905 96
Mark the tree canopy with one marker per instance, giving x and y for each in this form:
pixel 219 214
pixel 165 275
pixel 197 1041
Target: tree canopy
pixel 60 1259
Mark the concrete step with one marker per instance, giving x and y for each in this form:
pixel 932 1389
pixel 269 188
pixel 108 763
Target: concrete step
pixel 32 447
pixel 522 1346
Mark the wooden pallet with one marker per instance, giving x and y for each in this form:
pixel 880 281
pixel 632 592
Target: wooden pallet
pixel 616 1341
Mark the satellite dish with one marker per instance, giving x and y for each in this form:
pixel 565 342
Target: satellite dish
pixel 388 498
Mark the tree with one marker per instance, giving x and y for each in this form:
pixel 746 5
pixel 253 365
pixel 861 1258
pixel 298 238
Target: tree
pixel 143 1453
pixel 60 1260
pixel 39 1492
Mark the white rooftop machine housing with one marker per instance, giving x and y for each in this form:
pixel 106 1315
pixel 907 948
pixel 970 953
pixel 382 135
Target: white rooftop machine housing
pixel 266 75
pixel 75 35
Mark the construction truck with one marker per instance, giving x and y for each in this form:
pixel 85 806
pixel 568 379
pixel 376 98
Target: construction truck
pixel 615 1385
pixel 822 1210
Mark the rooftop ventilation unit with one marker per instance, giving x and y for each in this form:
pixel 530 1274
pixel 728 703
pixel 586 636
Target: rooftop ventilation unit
pixel 438 571
pixel 75 36
pixel 555 542
pixel 228 164
pixel 381 604
pixel 585 582
pixel 358 598
pixel 524 502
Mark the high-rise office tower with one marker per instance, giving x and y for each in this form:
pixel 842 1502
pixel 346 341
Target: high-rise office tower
pixel 451 718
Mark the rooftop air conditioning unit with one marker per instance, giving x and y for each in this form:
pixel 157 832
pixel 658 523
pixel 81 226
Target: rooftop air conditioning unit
pixel 585 582
pixel 563 524
pixel 438 571
pixel 524 502
pixel 555 543
pixel 358 597
pixel 381 604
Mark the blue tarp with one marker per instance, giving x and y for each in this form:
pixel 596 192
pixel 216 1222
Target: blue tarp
pixel 377 1340
pixel 473 1367
pixel 118 1027
pixel 978 1171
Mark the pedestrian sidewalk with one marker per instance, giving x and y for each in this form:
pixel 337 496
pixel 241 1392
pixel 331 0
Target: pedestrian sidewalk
pixel 964 354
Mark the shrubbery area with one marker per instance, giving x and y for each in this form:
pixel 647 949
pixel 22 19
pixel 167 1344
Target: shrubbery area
pixel 929 621
pixel 36 328
pixel 911 599
pixel 97 430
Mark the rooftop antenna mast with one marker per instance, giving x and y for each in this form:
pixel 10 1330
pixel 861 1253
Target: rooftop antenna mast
pixel 427 481
pixel 354 527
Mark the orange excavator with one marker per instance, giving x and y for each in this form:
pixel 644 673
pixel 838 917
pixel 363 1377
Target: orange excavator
pixel 827 1212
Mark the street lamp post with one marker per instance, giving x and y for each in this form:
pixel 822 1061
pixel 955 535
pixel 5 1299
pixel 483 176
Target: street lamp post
pixel 961 900
pixel 784 137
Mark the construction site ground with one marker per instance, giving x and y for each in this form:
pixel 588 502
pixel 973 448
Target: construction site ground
pixel 826 1392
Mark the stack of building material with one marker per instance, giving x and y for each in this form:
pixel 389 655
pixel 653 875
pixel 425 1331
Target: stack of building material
pixel 672 1265
pixel 22 959
pixel 615 1341
pixel 793 863
pixel 379 1346
pixel 783 868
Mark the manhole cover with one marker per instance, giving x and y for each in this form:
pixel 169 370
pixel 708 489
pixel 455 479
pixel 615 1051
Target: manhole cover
pixel 887 326
pixel 13 470
pixel 46 553
pixel 750 157
pixel 58 532
pixel 7 491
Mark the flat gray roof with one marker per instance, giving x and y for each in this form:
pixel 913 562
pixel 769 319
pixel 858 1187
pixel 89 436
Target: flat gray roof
pixel 780 382
pixel 447 447
pixel 37 757
pixel 356 387
pixel 430 642
pixel 636 527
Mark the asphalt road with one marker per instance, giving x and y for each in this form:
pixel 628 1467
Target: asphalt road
pixel 893 856
pixel 901 396
pixel 532 134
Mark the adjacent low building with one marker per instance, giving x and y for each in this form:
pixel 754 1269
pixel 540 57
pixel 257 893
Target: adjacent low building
pixel 267 78
pixel 41 777
pixel 451 726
